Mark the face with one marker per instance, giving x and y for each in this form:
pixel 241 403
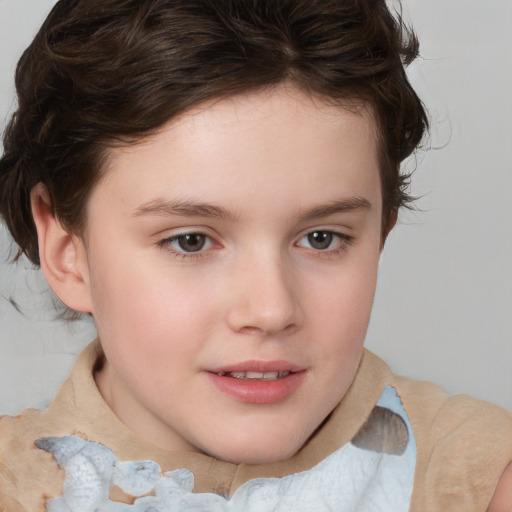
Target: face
pixel 231 264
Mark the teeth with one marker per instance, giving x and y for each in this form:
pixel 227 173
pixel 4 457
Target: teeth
pixel 256 375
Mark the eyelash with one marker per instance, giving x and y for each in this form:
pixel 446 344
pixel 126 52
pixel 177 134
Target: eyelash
pixel 166 244
pixel 344 241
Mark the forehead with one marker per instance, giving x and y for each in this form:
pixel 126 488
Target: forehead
pixel 281 141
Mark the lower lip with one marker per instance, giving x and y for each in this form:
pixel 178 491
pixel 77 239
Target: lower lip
pixel 255 391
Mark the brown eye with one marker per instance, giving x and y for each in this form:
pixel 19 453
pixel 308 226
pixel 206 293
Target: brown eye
pixel 191 243
pixel 320 240
pixel 188 244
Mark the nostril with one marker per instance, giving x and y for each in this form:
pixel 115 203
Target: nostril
pixel 248 329
pixel 262 331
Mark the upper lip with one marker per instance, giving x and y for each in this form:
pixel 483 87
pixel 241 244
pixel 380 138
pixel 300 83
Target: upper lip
pixel 259 366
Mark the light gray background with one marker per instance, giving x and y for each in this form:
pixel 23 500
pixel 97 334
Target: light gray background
pixel 444 301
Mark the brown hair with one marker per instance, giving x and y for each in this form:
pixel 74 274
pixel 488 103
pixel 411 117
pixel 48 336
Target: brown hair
pixel 106 72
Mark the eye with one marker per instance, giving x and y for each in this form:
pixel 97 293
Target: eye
pixel 324 240
pixel 320 240
pixel 187 243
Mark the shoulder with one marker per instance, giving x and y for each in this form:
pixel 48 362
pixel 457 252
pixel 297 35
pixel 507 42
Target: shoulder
pixel 463 447
pixel 449 420
pixel 25 470
pixel 28 474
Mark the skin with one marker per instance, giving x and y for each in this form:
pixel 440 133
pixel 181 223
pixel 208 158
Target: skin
pixel 502 500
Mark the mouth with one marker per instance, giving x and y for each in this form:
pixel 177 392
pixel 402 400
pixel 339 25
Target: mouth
pixel 258 382
pixel 256 375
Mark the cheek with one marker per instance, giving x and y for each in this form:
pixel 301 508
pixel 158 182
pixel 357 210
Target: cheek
pixel 346 297
pixel 145 308
pixel 350 316
pixel 342 313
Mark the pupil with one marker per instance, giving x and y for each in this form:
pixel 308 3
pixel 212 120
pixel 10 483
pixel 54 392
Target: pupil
pixel 320 239
pixel 192 243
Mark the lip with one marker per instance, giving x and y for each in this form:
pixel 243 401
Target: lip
pixel 256 391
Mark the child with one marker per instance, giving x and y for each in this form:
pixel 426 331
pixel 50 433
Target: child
pixel 213 182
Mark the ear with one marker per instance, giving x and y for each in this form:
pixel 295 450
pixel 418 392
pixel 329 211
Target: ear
pixel 62 255
pixel 386 228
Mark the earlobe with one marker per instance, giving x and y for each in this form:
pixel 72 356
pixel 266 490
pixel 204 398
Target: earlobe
pixel 62 254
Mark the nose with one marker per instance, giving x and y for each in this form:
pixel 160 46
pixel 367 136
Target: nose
pixel 265 298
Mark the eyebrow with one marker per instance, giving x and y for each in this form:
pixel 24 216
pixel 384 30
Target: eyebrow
pixel 183 209
pixel 340 206
pixel 195 209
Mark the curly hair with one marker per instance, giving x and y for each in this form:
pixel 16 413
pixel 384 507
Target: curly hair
pixel 101 73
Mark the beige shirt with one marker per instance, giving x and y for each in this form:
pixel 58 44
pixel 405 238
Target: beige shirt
pixel 463 445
